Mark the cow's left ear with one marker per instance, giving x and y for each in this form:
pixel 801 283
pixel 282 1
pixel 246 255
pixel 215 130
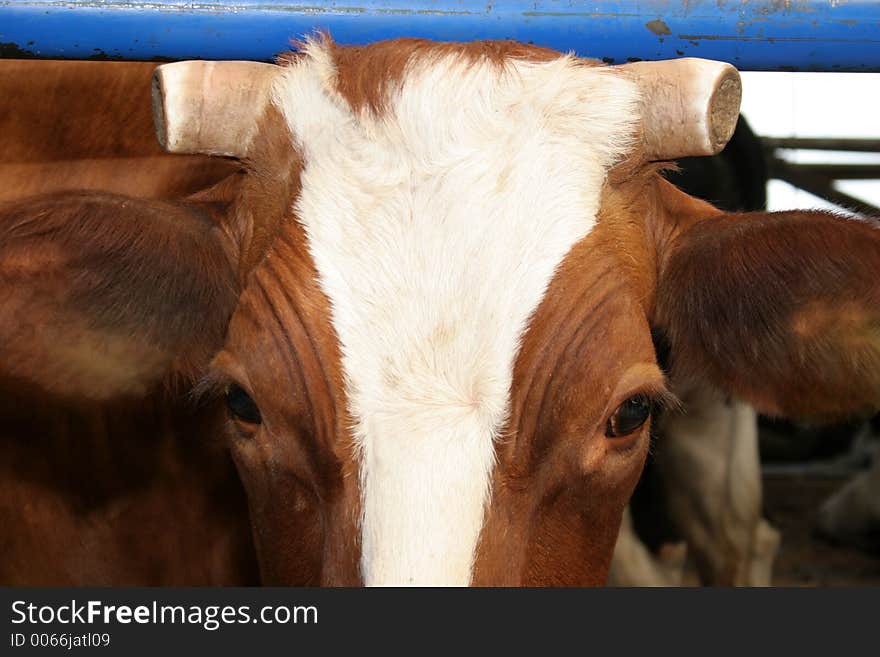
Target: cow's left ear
pixel 779 309
pixel 105 296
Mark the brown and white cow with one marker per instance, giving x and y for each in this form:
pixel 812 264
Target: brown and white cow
pixel 428 301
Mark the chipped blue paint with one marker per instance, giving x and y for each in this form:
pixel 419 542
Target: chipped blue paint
pixel 758 35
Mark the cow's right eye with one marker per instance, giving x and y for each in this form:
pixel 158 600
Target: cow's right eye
pixel 241 406
pixel 629 416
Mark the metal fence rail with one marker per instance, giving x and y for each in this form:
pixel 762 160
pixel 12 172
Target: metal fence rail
pixel 819 178
pixel 833 35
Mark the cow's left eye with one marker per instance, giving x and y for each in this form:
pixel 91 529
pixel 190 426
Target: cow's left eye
pixel 629 416
pixel 241 406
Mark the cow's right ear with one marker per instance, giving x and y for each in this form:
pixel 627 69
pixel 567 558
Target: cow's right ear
pixel 779 309
pixel 104 296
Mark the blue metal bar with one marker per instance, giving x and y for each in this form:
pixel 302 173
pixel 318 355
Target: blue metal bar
pixel 831 35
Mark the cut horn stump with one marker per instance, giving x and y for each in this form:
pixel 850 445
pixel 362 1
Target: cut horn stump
pixel 689 106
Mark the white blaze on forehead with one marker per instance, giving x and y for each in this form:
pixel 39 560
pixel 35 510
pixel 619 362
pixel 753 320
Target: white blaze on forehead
pixel 435 229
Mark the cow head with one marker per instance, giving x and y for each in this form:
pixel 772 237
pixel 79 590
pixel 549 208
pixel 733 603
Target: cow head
pixel 449 261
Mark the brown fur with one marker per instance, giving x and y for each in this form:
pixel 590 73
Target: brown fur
pixel 88 278
pixel 367 74
pixel 131 492
pixel 88 125
pixel 782 309
pixel 778 295
pixel 263 202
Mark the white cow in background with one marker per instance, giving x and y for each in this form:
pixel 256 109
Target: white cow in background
pixel 707 457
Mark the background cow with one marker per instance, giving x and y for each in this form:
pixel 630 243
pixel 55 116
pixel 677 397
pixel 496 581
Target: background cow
pixel 427 300
pixel 88 126
pixel 130 490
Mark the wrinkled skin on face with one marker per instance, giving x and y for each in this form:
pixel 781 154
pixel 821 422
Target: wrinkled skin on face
pixel 432 330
